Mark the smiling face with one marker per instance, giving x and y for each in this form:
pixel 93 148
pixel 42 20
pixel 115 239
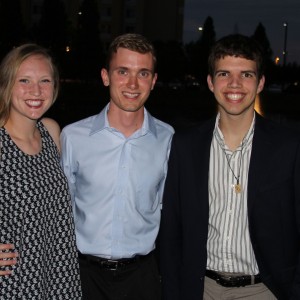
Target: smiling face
pixel 130 79
pixel 235 85
pixel 32 93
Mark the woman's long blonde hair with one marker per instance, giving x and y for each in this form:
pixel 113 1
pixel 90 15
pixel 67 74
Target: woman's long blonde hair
pixel 9 68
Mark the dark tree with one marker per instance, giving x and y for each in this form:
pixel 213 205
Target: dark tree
pixel 12 31
pixel 261 37
pixel 208 38
pixel 172 61
pixel 51 31
pixel 88 47
pixel 53 25
pixel 198 52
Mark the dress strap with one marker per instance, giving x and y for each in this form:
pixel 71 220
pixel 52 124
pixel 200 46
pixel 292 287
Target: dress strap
pixel 1 130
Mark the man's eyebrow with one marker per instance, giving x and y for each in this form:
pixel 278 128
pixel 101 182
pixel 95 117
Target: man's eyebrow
pixel 140 70
pixel 146 69
pixel 227 71
pixel 249 71
pixel 221 71
pixel 217 71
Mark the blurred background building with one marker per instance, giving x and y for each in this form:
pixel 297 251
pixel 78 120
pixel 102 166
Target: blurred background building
pixel 156 19
pixel 78 32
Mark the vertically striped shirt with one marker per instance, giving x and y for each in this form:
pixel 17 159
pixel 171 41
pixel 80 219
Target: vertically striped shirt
pixel 229 246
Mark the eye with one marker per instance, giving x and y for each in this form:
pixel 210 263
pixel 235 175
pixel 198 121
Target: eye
pixel 46 80
pixel 222 74
pixel 144 74
pixel 122 72
pixel 23 80
pixel 248 75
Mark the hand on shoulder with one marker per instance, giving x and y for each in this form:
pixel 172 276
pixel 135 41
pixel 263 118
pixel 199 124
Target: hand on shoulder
pixel 7 258
pixel 53 129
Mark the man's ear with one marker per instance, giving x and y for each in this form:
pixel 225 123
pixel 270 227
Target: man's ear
pixel 153 81
pixel 210 83
pixel 105 77
pixel 261 84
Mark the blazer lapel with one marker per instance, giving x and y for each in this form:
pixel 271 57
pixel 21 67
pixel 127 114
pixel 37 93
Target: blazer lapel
pixel 202 159
pixel 260 157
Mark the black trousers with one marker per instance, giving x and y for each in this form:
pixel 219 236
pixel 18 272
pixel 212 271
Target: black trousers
pixel 137 281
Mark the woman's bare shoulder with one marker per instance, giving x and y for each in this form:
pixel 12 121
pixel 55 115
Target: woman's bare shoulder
pixel 53 129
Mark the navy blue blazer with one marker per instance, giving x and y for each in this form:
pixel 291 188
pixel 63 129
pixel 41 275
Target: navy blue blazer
pixel 273 210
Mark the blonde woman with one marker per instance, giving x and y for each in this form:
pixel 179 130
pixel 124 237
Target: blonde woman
pixel 38 258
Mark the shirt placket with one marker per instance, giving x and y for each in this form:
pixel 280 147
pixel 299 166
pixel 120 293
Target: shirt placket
pixel 120 200
pixel 230 209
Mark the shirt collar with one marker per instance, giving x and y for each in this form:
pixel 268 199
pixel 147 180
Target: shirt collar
pixel 247 140
pixel 101 122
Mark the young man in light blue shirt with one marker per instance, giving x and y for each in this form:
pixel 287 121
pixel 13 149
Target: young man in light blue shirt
pixel 116 164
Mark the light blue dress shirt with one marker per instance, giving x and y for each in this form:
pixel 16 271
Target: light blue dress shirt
pixel 116 184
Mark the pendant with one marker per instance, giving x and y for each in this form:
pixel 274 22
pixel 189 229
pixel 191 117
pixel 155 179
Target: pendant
pixel 237 188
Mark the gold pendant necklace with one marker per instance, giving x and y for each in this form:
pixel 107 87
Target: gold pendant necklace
pixel 236 187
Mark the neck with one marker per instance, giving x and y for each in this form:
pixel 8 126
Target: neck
pixel 125 122
pixel 23 130
pixel 234 129
pixel 25 135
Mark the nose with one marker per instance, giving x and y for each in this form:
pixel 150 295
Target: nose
pixel 132 82
pixel 234 82
pixel 35 89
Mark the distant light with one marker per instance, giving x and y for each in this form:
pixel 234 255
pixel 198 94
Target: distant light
pixel 277 59
pixel 285 24
pixel 200 28
pixel 68 49
pixel 80 13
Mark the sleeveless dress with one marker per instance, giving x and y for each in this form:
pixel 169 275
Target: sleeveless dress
pixel 36 215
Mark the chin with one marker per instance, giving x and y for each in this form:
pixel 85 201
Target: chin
pixel 35 116
pixel 132 109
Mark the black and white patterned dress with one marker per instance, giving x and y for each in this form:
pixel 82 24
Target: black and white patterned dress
pixel 35 215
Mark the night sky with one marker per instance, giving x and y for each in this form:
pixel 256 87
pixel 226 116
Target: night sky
pixel 232 16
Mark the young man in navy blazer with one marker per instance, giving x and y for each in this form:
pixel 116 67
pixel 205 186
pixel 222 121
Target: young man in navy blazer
pixel 231 208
